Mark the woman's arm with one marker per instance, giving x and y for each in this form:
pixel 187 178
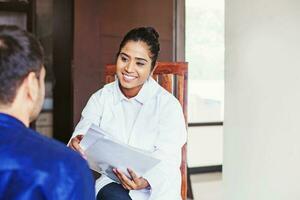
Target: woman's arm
pixel 171 138
pixel 91 114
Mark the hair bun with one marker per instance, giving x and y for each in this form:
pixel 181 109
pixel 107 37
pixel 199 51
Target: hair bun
pixel 153 32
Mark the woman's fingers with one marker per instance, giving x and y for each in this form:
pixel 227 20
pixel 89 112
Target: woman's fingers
pixel 74 144
pixel 135 184
pixel 133 175
pixel 140 182
pixel 126 182
pixel 120 179
pixel 79 137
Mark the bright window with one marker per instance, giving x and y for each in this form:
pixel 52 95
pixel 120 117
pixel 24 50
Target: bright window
pixel 205 54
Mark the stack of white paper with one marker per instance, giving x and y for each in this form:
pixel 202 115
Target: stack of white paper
pixel 104 153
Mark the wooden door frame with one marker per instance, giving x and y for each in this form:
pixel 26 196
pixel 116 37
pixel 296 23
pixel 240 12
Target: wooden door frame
pixel 62 67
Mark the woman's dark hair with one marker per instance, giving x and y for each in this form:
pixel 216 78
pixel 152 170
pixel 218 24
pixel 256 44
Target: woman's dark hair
pixel 20 54
pixel 145 34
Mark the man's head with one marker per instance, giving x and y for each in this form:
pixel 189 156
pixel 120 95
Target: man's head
pixel 22 73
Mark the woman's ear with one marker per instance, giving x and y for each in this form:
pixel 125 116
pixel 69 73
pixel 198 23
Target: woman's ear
pixel 155 66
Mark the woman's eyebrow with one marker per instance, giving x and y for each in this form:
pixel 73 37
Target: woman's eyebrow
pixel 137 58
pixel 124 54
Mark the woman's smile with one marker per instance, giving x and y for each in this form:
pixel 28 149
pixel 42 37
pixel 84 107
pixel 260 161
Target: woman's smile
pixel 128 78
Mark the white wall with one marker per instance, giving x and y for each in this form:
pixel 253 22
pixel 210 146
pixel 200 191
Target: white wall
pixel 262 100
pixel 205 146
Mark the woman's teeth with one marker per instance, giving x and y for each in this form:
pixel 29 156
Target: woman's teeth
pixel 129 77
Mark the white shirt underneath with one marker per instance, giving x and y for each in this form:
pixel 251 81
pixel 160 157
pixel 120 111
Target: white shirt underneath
pixel 131 109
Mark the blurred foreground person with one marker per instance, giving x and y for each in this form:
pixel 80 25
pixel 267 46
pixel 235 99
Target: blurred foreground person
pixel 31 165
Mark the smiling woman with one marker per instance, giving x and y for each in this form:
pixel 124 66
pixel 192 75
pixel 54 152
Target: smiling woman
pixel 133 67
pixel 135 110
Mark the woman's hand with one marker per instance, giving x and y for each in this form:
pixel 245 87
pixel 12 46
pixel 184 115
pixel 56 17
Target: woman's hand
pixel 74 144
pixel 135 183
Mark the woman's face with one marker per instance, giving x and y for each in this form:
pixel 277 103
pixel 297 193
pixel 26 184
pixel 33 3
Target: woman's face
pixel 133 67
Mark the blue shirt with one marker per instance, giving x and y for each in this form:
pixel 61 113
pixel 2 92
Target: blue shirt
pixel 35 167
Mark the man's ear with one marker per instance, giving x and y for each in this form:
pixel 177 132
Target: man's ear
pixel 32 86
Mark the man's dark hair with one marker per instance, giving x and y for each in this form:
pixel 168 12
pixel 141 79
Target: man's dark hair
pixel 20 54
pixel 145 34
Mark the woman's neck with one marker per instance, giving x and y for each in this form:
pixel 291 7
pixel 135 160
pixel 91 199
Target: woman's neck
pixel 130 92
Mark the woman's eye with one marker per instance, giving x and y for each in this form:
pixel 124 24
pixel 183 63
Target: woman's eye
pixel 140 64
pixel 124 59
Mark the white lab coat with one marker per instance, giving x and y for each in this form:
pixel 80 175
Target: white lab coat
pixel 159 128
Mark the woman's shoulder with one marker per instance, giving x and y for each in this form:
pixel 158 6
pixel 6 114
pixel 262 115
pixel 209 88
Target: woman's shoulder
pixel 109 86
pixel 106 89
pixel 166 98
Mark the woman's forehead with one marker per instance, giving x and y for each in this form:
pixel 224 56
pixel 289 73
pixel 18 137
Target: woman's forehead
pixel 136 49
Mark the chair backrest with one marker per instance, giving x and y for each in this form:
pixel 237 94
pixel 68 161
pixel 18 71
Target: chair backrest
pixel 173 77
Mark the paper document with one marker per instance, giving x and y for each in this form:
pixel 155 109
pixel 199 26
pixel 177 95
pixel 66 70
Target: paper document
pixel 105 153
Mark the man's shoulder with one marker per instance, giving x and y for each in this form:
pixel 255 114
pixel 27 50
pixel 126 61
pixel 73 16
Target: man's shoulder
pixel 35 161
pixel 47 150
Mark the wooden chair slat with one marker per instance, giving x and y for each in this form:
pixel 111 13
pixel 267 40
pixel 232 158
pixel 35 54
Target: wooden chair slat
pixel 166 81
pixel 185 97
pixel 180 88
pixel 183 170
pixel 155 77
pixel 109 79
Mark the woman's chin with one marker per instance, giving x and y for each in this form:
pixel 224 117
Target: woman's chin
pixel 127 86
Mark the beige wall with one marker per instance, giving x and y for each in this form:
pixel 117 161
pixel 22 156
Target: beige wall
pixel 262 100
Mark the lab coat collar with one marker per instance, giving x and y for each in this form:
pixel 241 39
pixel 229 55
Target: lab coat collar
pixel 147 91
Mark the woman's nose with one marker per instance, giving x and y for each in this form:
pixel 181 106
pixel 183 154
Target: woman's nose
pixel 129 67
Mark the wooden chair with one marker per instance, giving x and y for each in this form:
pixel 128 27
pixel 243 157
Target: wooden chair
pixel 173 77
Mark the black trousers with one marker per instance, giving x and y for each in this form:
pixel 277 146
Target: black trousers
pixel 113 191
